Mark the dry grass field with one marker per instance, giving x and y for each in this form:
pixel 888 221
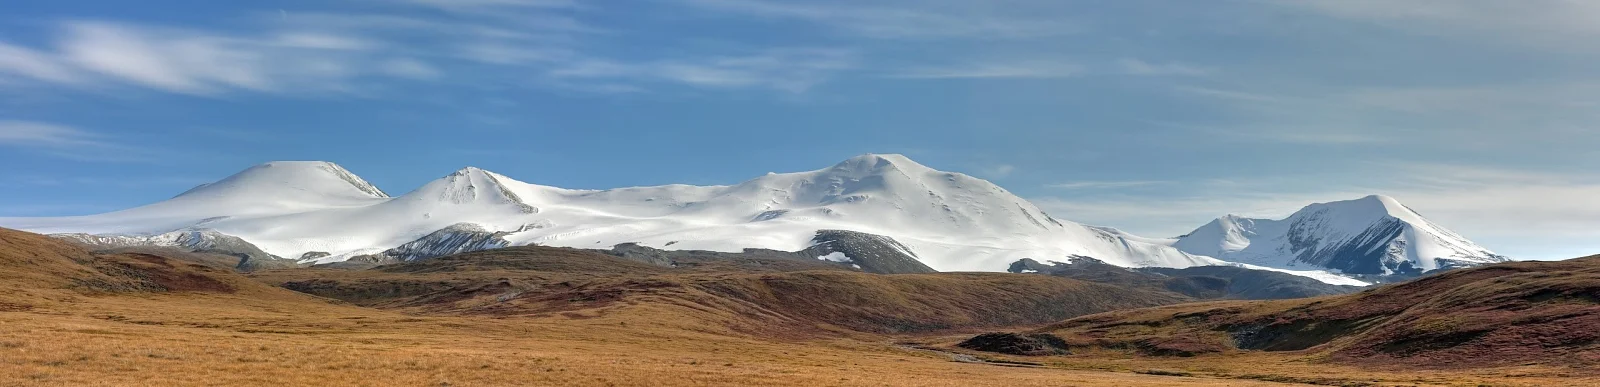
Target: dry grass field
pixel 71 317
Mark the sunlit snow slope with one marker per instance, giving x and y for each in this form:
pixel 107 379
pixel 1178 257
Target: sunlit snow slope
pixel 951 221
pixel 275 188
pixel 1371 235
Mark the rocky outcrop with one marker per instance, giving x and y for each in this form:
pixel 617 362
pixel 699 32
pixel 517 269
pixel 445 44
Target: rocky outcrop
pixel 456 239
pixel 1036 344
pixel 871 253
pixel 192 240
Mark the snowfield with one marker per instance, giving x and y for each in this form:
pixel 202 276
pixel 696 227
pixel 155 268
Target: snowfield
pixel 951 221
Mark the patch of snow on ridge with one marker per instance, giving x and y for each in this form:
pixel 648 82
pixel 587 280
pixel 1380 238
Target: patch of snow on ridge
pixel 836 257
pixel 1325 276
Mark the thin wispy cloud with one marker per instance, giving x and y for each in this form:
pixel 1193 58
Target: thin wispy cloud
pixel 896 20
pixel 1549 23
pixel 106 182
pixel 1092 185
pixel 409 68
pixel 1231 95
pixel 46 209
pixel 1534 98
pixel 195 62
pixel 1477 115
pixel 1044 68
pixel 790 70
pixel 1288 133
pixel 458 5
pixel 67 142
pixel 28 133
pixel 302 53
pixel 1133 66
pixel 30 63
pixel 503 53
pixel 999 171
pixel 995 70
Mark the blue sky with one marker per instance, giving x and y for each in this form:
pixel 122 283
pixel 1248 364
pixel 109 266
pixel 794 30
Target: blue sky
pixel 1151 116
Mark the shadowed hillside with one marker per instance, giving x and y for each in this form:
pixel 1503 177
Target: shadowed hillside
pixel 1199 282
pixel 33 263
pixel 1500 315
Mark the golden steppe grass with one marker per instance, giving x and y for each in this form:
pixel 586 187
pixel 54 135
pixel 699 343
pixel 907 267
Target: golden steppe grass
pixel 70 317
pixel 211 339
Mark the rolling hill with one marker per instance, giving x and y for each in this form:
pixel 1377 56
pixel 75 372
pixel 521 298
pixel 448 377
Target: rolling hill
pixel 1519 313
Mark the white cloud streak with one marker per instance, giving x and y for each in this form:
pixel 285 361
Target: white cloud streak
pixel 461 5
pixel 1552 23
pixel 902 20
pixel 1088 185
pixel 1036 69
pixel 318 53
pixel 1133 66
pixel 1000 171
pixel 29 133
pixel 410 68
pixel 66 142
pixel 790 70
pixel 30 63
pixel 198 62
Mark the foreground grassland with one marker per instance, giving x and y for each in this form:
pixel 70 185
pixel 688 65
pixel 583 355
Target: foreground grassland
pixel 229 340
pixel 71 317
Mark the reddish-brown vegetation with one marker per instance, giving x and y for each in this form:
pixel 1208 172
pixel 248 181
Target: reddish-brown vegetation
pixel 562 317
pixel 1502 315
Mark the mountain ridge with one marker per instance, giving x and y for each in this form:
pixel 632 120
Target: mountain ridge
pixel 946 220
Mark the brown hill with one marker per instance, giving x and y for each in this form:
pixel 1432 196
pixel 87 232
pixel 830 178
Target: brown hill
pixel 31 261
pixel 777 298
pixel 1508 314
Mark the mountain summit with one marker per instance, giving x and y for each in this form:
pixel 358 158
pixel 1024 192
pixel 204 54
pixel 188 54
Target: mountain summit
pixel 268 189
pixel 291 178
pixel 1371 235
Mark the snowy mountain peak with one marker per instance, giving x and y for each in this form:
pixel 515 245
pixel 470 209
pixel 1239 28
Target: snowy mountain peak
pixel 1375 205
pixel 468 170
pixel 468 186
pixel 314 176
pixel 877 164
pixel 274 188
pixel 1371 235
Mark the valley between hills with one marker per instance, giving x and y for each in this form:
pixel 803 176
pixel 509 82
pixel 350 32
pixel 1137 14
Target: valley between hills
pixel 75 315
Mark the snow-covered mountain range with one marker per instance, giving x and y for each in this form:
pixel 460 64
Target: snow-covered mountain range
pixel 318 212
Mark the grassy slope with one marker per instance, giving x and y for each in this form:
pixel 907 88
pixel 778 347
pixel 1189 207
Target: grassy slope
pixel 1531 318
pixel 1507 314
